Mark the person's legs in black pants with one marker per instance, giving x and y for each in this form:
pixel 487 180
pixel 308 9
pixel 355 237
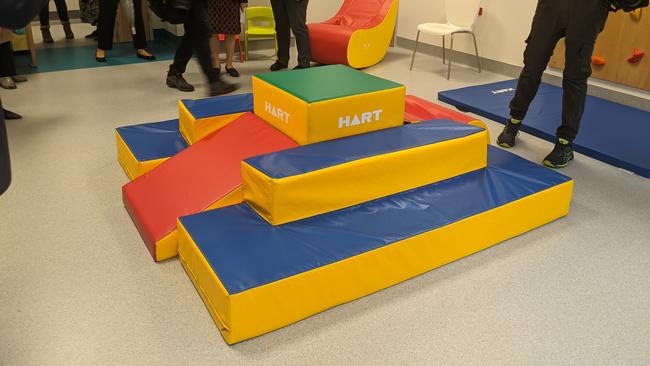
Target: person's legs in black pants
pixel 107 14
pixel 62 12
pixel 297 11
pixel 7 66
pixel 282 30
pixel 581 37
pixel 196 40
pixel 139 38
pixel 545 33
pixel 5 166
pixel 44 17
pixel 291 15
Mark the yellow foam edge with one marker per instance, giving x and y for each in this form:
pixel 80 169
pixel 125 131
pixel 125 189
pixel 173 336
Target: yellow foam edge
pixel 194 130
pixel 266 308
pixel 131 166
pixel 297 197
pixel 167 247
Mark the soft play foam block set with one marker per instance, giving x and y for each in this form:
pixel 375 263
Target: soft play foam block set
pixel 328 102
pixel 271 232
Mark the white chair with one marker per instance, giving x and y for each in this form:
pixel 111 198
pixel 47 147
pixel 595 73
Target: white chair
pixel 461 16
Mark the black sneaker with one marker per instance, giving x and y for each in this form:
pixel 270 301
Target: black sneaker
pixel 177 81
pixel 508 136
pixel 222 87
pixel 277 66
pixel 561 155
pixel 300 67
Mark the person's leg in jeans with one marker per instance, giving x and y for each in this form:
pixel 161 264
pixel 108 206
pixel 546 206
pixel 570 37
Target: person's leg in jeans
pixel 297 11
pixel 44 17
pixel 8 77
pixel 546 30
pixel 282 29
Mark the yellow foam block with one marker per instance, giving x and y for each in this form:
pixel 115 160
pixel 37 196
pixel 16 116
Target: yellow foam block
pixel 200 117
pixel 131 166
pixel 327 102
pixel 309 180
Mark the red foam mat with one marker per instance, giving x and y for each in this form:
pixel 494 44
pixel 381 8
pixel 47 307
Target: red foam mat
pixel 197 177
pixel 418 109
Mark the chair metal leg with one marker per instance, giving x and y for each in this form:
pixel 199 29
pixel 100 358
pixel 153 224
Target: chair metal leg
pixel 246 46
pixel 417 40
pixel 478 59
pixel 451 55
pixel 443 50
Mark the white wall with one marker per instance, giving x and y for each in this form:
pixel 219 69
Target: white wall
pixel 501 31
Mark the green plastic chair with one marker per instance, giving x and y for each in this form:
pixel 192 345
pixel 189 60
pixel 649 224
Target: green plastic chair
pixel 260 24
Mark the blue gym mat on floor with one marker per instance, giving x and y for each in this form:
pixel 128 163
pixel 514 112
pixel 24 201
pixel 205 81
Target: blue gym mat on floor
pixel 610 132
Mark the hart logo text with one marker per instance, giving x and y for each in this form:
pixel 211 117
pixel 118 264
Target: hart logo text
pixel 277 112
pixel 367 117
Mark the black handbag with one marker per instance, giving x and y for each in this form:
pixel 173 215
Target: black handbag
pixel 171 11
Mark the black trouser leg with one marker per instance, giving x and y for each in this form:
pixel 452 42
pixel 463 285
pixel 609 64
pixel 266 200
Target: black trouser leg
pixel 282 29
pixel 545 32
pixel 196 39
pixel 139 38
pixel 107 13
pixel 581 36
pixel 5 166
pixel 297 11
pixel 7 66
pixel 44 16
pixel 62 11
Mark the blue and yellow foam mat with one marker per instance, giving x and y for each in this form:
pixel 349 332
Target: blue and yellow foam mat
pixel 255 277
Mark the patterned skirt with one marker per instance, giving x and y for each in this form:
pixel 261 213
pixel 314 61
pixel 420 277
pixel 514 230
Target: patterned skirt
pixel 224 16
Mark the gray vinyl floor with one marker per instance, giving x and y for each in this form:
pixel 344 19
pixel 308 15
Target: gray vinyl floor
pixel 77 286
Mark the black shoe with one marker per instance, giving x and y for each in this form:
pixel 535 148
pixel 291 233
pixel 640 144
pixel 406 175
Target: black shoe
pixel 100 59
pixel 217 70
pixel 67 30
pixel 92 35
pixel 177 81
pixel 277 66
pixel 47 36
pixel 145 57
pixel 11 115
pixel 561 155
pixel 232 72
pixel 222 87
pixel 508 136
pixel 300 67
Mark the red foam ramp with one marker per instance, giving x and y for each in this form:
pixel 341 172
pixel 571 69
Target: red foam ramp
pixel 418 110
pixel 200 177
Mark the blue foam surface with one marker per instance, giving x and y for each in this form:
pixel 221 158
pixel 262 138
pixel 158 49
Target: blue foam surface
pixel 219 106
pixel 151 141
pixel 309 158
pixel 613 133
pixel 246 252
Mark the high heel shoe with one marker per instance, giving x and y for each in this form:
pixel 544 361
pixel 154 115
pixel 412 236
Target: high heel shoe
pixel 145 57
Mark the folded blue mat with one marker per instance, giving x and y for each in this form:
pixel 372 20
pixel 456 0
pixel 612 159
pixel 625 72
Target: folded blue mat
pixel 151 141
pixel 610 132
pixel 246 252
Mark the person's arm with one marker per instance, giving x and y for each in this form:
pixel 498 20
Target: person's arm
pixel 16 14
